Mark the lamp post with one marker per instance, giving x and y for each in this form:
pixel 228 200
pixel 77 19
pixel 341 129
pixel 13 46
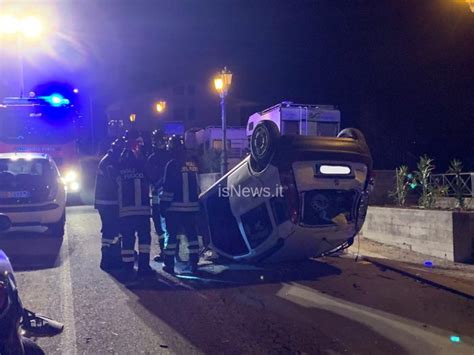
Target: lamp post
pixel 222 82
pixel 28 27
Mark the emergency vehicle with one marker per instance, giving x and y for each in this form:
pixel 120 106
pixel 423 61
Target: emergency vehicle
pixel 47 124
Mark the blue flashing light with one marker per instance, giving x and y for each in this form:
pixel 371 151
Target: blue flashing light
pixel 56 100
pixel 428 263
pixel 455 339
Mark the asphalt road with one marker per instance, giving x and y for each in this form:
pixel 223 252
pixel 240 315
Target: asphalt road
pixel 329 306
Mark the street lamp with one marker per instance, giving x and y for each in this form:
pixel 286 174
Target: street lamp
pixel 222 82
pixel 28 27
pixel 160 106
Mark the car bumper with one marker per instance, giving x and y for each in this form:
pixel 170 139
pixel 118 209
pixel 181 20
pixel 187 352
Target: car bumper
pixel 31 215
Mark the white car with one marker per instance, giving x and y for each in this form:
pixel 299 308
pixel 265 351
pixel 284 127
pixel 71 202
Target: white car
pixel 296 196
pixel 32 192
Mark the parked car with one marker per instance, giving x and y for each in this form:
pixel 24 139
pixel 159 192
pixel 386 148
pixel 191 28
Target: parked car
pixel 32 191
pixel 296 196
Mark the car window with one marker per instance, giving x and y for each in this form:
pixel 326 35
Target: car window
pixel 23 166
pixel 257 225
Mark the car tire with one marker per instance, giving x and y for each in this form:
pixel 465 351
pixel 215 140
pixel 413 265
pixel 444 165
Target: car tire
pixel 57 229
pixel 263 144
pixel 353 133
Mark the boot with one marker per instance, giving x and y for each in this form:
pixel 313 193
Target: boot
pixel 106 260
pixel 144 268
pixel 161 241
pixel 168 264
pixel 115 256
pixel 191 268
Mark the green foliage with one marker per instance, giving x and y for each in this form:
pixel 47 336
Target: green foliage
pixel 455 167
pixel 402 183
pixel 429 192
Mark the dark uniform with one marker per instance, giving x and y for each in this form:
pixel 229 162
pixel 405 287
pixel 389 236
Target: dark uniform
pixel 134 211
pixel 179 203
pixel 156 168
pixel 106 202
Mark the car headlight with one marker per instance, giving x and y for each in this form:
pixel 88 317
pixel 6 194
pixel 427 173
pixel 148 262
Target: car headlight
pixel 74 186
pixel 71 176
pixel 72 180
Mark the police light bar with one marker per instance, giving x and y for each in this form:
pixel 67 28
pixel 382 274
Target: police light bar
pixel 334 170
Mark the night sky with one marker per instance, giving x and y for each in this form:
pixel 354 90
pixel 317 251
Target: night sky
pixel 402 71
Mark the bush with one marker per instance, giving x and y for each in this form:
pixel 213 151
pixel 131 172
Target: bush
pixel 429 192
pixel 455 167
pixel 401 185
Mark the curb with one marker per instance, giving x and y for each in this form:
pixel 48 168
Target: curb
pixel 402 271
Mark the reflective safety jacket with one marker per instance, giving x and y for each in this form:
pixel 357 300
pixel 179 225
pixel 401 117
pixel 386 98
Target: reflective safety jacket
pixel 133 190
pixel 105 183
pixel 156 165
pixel 181 187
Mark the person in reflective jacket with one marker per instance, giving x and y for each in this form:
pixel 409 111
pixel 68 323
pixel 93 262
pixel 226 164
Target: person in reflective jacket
pixel 156 164
pixel 179 204
pixel 106 203
pixel 134 212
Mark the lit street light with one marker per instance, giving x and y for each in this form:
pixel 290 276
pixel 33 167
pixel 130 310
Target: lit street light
pixel 132 117
pixel 160 106
pixel 28 27
pixel 222 83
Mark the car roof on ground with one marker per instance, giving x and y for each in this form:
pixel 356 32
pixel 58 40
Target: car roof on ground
pixel 24 155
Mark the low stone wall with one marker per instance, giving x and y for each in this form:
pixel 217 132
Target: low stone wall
pixel 443 234
pixel 450 203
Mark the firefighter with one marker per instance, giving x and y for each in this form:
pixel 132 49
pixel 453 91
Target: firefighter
pixel 179 204
pixel 156 168
pixel 106 202
pixel 134 212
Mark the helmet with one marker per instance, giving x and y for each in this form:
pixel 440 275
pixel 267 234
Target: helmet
pixel 175 144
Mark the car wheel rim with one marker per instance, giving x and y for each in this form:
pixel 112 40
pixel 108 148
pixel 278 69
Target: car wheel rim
pixel 260 143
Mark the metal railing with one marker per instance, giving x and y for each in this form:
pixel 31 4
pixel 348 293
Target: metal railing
pixel 448 181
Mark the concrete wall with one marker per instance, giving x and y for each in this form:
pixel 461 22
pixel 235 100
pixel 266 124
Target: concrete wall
pixel 443 234
pixel 450 203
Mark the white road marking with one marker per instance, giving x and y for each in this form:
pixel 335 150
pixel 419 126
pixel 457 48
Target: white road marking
pixel 409 334
pixel 68 336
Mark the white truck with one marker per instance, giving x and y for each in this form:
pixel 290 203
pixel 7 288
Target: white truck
pixel 305 120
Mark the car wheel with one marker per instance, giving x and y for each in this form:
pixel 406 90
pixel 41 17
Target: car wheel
pixel 263 144
pixel 57 229
pixel 353 133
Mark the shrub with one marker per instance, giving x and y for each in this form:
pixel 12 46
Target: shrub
pixel 399 194
pixel 429 192
pixel 455 167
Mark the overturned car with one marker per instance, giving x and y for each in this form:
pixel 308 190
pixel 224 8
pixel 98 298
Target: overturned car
pixel 297 195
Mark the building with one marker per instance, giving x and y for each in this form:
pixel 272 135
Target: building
pixel 190 103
